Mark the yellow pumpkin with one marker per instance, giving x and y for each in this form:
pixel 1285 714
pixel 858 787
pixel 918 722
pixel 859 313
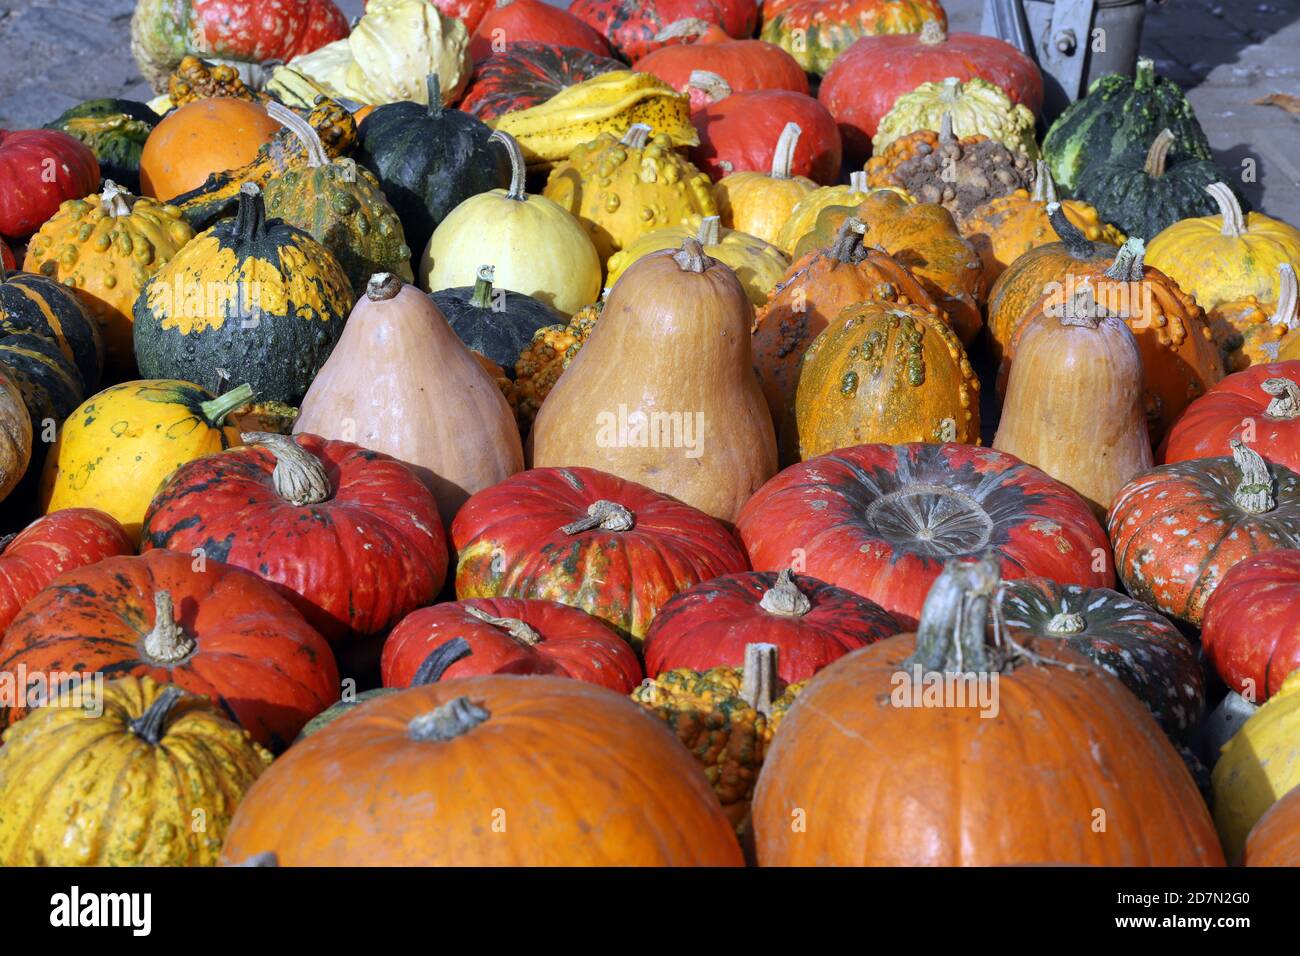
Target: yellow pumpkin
pixel 758 265
pixel 760 203
pixel 106 247
pixel 1257 766
pixel 621 189
pixel 803 217
pixel 1251 331
pixel 117 448
pixel 119 781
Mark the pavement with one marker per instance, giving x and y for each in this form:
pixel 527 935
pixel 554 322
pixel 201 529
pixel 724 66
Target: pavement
pixel 1225 53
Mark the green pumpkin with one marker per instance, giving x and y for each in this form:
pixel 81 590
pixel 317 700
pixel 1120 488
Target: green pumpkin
pixel 1143 193
pixel 37 306
pixel 1121 115
pixel 249 300
pixel 115 131
pixel 494 322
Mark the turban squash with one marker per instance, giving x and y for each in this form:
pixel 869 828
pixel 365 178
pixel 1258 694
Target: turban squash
pixel 817 32
pixel 1249 630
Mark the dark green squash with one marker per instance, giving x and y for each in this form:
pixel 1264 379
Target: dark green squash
pixel 496 323
pixel 250 300
pixel 1121 115
pixel 115 131
pixel 39 306
pixel 341 205
pixel 49 382
pixel 429 160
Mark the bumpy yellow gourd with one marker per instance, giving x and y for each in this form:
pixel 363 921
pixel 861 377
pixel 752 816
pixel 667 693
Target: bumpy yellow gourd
pixel 106 247
pixel 977 106
pixel 121 786
pixel 760 203
pixel 1251 331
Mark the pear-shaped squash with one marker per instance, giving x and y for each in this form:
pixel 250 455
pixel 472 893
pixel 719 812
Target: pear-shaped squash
pixel 453 428
pixel 496 324
pixel 664 392
pixel 760 203
pixel 1074 403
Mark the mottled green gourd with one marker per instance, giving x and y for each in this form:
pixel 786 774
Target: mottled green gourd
pixel 115 131
pixel 341 205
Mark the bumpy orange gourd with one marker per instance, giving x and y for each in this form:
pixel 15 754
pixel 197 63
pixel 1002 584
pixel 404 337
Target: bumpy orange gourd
pixel 760 203
pixel 545 359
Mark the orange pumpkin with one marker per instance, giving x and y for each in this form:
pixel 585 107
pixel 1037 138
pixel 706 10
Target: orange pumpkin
pixel 201 138
pixel 1275 839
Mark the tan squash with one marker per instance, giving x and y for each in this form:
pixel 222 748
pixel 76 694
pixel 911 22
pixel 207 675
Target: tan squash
pixel 1074 404
pixel 668 364
pixel 760 203
pixel 400 382
pixel 15 435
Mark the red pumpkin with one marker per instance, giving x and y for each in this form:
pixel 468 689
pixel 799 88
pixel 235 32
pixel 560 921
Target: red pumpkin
pixel 881 520
pixel 1260 405
pixel 50 545
pixel 526 74
pixel 468 12
pixel 866 79
pixel 739 132
pixel 1251 632
pixel 259 30
pixel 632 26
pixel 519 21
pixel 1178 529
pixel 811 623
pixel 613 548
pixel 745 64
pixel 210 629
pixel 39 169
pixel 507 636
pixel 351 536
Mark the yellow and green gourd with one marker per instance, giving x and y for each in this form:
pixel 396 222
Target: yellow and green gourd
pixel 978 107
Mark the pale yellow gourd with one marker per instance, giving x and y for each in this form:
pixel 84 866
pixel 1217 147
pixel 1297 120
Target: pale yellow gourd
pixel 760 203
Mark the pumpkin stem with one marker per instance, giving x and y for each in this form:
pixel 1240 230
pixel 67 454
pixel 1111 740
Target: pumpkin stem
pixel 1044 185
pixel 1067 622
pixel 847 246
pixel 637 135
pixel 316 156
pixel 605 515
pixel 516 628
pixel 690 257
pixel 710 84
pixel 951 634
pixel 686 27
pixel 447 722
pixel 952 90
pixel 216 409
pixel 382 286
pixel 783 155
pixel 710 233
pixel 1144 78
pixel 433 86
pixel 1076 243
pixel 858 181
pixel 149 725
pixel 1254 493
pixel 1128 266
pixel 1285 403
pixel 167 643
pixel 945 128
pixel 518 169
pixel 482 297
pixel 298 477
pixel 932 32
pixel 784 598
pixel 1234 220
pixel 6 540
pixel 1287 312
pixel 250 215
pixel 1158 154
pixel 435 665
pixel 115 201
pixel 758 677
pixel 1082 309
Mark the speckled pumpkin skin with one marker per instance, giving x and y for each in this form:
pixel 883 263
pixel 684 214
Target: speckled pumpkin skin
pixel 62 798
pixel 815 32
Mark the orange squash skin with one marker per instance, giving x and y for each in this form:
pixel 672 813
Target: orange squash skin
pixel 201 138
pixel 1275 839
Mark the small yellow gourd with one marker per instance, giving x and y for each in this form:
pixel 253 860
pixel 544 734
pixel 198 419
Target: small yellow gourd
pixel 803 217
pixel 1254 331
pixel 760 203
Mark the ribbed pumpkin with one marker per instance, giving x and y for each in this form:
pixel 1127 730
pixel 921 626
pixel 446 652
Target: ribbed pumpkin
pixel 43 323
pixel 1275 839
pixel 106 247
pixel 634 29
pixel 15 436
pixel 509 23
pixel 115 131
pixel 816 32
pixel 745 64
pixel 528 73
pixel 62 798
pixel 39 169
pixel 760 203
pixel 976 106
pixel 1249 630
pixel 201 138
pixel 257 298
pixel 882 373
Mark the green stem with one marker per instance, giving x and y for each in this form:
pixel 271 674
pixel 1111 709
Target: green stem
pixel 518 168
pixel 1076 243
pixel 216 409
pixel 1144 78
pixel 250 216
pixel 434 87
pixel 482 297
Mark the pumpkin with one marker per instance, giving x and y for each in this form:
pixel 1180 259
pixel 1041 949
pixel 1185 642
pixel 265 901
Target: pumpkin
pixel 51 545
pixel 341 206
pixel 816 32
pixel 1179 528
pixel 15 440
pixel 1257 767
pixel 866 79
pixel 1275 839
pixel 199 139
pixel 1260 406
pixel 882 372
pixel 650 418
pixel 920 777
pixel 211 630
pixel 257 298
pixel 508 636
pixel 360 788
pixel 634 29
pixel 809 622
pixel 44 327
pixel 527 73
pixel 39 169
pixel 1249 331
pixel 105 247
pixel 115 131
pixel 976 107
pixel 741 132
pixel 610 547
pixel 1144 195
pixel 63 798
pixel 510 22
pixel 880 520
pixel 349 535
pixel 495 323
pixel 743 64
pixel 621 189
pixel 612 102
pixel 1121 114
pixel 803 216
pixel 545 359
pixel 1249 631
pixel 49 385
pixel 458 436
pixel 1122 636
pixel 1074 404
pixel 760 203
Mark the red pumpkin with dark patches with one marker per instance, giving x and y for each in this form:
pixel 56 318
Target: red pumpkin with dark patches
pixel 1251 632
pixel 218 631
pixel 39 169
pixel 527 74
pixel 507 636
pixel 632 26
pixel 350 536
pixel 1178 529
pixel 519 21
pixel 739 132
pixel 881 520
pixel 745 64
pixel 50 545
pixel 613 548
pixel 811 623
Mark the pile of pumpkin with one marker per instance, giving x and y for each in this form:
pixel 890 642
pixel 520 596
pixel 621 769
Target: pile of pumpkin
pixel 500 435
